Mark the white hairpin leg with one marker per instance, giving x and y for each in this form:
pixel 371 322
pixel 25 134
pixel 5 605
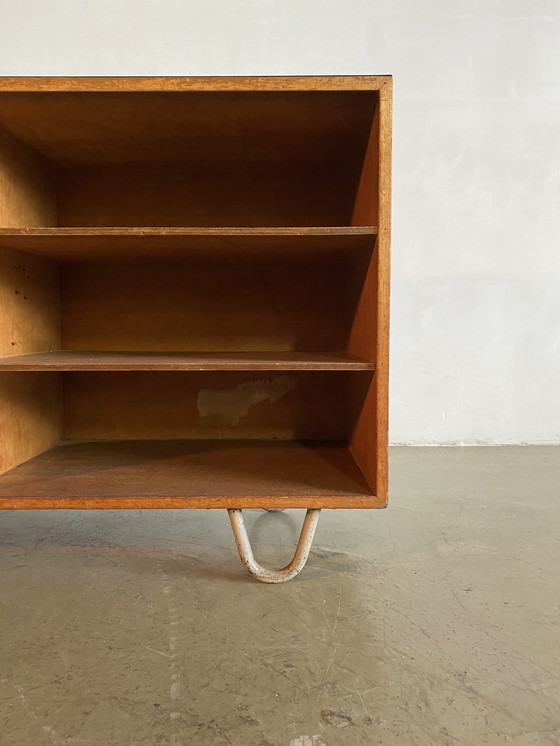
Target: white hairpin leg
pixel 262 573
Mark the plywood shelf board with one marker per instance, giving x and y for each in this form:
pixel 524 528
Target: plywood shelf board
pixel 71 360
pixel 188 231
pixel 187 473
pixel 107 244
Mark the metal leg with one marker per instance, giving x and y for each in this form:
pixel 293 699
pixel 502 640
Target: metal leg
pixel 262 573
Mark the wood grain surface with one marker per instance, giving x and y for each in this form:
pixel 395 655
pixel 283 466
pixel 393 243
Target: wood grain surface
pixel 30 404
pixel 31 415
pixel 194 83
pixel 369 336
pixel 188 474
pixel 219 306
pixel 261 244
pixel 71 360
pixel 226 193
pixel 209 404
pixel 27 185
pixel 202 258
pixel 191 127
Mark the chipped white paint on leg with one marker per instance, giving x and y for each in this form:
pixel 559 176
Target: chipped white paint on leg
pixel 227 407
pixel 248 558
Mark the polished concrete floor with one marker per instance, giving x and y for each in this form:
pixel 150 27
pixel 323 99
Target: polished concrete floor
pixel 433 622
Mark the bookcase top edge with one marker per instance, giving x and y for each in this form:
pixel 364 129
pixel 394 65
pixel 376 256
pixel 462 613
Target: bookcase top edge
pixel 103 84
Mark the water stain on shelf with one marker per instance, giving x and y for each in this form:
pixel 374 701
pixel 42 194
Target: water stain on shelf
pixel 227 407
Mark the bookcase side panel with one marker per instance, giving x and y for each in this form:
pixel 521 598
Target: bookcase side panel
pixel 30 415
pixel 369 336
pixel 366 201
pixel 29 304
pixel 30 403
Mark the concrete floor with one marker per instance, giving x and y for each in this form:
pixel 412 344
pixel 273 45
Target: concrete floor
pixel 433 622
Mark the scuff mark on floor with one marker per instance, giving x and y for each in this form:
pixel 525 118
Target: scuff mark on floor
pixel 175 671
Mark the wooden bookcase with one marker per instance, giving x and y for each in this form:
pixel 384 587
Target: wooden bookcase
pixel 194 279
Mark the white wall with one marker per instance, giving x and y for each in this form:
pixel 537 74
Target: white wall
pixel 476 274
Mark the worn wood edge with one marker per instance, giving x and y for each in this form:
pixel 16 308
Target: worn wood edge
pixel 384 282
pixel 114 84
pixel 149 503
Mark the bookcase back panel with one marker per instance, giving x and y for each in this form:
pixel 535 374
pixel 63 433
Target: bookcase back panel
pixel 272 404
pixel 192 158
pixel 79 128
pixel 208 305
pixel 230 194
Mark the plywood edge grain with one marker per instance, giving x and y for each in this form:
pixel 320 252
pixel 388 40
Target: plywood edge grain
pixel 103 84
pixel 72 360
pixel 140 232
pixel 159 503
pixel 383 293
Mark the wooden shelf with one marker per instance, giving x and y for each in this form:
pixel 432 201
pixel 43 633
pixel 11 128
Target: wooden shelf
pixel 69 360
pixel 101 244
pixel 187 474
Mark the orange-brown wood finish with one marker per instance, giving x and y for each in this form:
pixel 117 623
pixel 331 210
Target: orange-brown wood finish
pixel 71 360
pixel 188 474
pixel 30 406
pixel 194 292
pixel 370 330
pixel 269 405
pixel 111 244
pixel 28 194
pixel 100 84
pixel 31 415
pixel 236 304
